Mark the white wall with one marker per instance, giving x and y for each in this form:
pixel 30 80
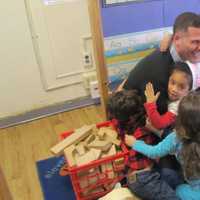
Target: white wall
pixel 20 83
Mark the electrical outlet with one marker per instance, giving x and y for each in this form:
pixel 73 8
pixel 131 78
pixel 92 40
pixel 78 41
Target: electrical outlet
pixel 87 59
pixel 88 77
pixel 94 89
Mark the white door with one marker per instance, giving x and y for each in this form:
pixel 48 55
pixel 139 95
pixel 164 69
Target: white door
pixel 58 31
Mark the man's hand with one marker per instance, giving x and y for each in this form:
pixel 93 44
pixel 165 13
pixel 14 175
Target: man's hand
pixel 151 97
pixel 129 140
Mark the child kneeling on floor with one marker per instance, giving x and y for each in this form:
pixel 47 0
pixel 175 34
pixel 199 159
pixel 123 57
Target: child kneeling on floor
pixel 143 177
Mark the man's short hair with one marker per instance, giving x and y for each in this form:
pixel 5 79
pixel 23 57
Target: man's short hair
pixel 185 20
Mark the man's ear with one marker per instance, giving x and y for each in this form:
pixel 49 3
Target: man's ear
pixel 177 40
pixel 176 36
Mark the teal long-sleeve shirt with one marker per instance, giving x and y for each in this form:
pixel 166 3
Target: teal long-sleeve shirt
pixel 169 145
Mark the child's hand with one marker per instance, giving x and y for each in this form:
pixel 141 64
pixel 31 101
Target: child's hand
pixel 165 42
pixel 129 140
pixel 149 93
pixel 121 86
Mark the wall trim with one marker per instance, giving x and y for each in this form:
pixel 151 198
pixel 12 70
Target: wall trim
pixel 47 111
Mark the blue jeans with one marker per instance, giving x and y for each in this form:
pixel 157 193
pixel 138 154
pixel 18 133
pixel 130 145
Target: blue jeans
pixel 150 186
pixel 172 177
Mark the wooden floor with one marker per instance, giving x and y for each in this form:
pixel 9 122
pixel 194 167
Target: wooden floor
pixel 21 146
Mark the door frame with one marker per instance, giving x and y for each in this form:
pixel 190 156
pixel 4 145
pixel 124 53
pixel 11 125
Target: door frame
pixel 94 7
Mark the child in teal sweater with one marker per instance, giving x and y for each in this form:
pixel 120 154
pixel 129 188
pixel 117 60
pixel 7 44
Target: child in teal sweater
pixel 184 143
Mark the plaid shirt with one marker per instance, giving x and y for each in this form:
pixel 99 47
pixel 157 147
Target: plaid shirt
pixel 136 160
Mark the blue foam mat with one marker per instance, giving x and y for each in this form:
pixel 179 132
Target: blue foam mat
pixel 54 186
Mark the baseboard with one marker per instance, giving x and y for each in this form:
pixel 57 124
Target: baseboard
pixel 47 111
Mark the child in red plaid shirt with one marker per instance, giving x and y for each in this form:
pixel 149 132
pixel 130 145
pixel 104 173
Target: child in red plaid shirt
pixel 143 177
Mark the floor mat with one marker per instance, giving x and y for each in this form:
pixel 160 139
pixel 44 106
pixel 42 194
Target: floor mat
pixel 54 186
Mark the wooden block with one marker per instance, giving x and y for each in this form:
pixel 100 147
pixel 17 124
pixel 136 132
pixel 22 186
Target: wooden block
pixel 69 155
pixel 89 178
pixel 109 135
pixel 107 167
pixel 94 175
pixel 112 140
pixel 108 131
pixel 80 148
pixel 96 152
pixel 90 138
pixel 119 162
pixel 91 155
pixel 112 133
pixel 74 138
pixel 83 180
pixel 112 151
pixel 101 132
pixel 100 144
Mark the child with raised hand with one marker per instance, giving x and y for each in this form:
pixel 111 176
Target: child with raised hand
pixel 179 84
pixel 184 143
pixel 126 107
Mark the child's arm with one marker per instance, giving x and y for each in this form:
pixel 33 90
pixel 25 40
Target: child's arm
pixel 163 148
pixel 121 86
pixel 157 120
pixel 165 42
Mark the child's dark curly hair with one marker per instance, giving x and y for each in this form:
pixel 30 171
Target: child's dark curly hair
pixel 127 107
pixel 188 130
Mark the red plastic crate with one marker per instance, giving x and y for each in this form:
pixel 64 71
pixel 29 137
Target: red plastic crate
pixel 95 179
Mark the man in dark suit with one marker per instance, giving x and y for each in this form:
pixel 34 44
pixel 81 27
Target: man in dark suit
pixel 156 67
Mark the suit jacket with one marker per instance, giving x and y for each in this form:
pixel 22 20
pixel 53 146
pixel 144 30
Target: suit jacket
pixel 154 68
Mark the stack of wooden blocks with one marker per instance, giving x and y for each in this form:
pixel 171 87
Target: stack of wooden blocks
pixel 87 144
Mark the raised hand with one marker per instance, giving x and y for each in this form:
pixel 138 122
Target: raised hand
pixel 151 97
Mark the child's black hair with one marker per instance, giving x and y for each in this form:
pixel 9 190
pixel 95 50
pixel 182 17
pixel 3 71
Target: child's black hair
pixel 127 107
pixel 183 67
